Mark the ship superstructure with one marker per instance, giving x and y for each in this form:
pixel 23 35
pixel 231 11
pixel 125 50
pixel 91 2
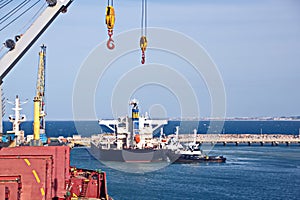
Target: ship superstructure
pixel 16 134
pixel 134 132
pixel 132 139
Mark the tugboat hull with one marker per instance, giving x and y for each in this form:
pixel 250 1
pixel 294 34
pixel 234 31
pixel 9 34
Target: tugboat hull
pixel 200 159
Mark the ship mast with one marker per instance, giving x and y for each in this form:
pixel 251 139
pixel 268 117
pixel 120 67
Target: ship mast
pixel 17 119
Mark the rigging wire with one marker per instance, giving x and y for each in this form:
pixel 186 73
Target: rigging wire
pixel 23 29
pixel 143 39
pixel 144 18
pixel 13 11
pixel 5 3
pixel 112 2
pixel 19 15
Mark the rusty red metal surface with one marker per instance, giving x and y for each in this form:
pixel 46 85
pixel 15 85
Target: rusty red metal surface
pixel 44 173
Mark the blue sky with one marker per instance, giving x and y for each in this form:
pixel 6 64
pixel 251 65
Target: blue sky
pixel 255 45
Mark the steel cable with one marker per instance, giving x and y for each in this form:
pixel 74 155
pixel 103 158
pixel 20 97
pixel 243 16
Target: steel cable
pixel 19 15
pixel 13 11
pixel 32 18
pixel 5 3
pixel 144 18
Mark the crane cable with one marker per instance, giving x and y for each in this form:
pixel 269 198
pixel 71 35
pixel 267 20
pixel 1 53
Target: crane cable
pixel 143 40
pixel 19 15
pixel 30 21
pixel 13 11
pixel 110 22
pixel 5 3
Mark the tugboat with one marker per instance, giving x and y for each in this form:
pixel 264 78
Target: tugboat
pixel 132 140
pixel 191 153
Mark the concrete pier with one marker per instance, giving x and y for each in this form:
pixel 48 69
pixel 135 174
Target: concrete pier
pixel 237 139
pixel 224 139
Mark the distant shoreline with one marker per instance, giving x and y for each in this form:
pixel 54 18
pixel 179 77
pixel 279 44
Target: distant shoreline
pixel 175 119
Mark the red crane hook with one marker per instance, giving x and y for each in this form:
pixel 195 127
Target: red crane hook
pixel 110 42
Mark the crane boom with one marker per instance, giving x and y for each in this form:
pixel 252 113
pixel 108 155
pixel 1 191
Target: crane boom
pixel 39 100
pixel 10 59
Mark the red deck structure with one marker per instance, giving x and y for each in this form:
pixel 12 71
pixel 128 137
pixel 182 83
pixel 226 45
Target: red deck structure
pixel 44 173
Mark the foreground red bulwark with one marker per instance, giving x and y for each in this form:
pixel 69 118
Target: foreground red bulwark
pixel 44 173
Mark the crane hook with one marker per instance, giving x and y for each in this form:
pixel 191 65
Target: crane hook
pixel 110 42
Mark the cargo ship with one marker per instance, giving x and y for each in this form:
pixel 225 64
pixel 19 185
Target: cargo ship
pixel 39 172
pixel 132 139
pixel 43 172
pixel 28 169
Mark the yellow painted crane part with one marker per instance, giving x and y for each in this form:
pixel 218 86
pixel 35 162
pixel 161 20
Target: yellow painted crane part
pixel 36 118
pixel 143 45
pixel 110 17
pixel 143 40
pixel 110 22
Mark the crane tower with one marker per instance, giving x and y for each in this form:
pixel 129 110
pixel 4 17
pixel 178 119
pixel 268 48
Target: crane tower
pixel 39 101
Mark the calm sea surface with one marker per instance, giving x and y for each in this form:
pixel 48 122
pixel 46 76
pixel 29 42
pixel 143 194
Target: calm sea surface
pixel 268 172
pixel 87 128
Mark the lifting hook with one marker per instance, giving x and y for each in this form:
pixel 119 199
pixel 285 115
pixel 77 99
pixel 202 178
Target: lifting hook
pixel 110 42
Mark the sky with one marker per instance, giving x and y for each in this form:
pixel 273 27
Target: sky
pixel 255 46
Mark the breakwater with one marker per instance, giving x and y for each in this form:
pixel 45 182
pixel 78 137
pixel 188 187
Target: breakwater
pixel 273 139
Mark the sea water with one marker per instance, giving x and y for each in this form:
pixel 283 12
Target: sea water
pixel 255 172
pixel 87 128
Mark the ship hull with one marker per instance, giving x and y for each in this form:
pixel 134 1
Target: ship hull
pixel 29 172
pixel 130 155
pixel 199 159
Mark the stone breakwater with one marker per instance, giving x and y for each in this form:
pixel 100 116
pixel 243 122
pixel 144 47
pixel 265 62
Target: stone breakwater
pixel 273 139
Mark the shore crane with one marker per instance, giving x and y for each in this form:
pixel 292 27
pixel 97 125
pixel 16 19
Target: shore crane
pixel 17 50
pixel 24 41
pixel 39 125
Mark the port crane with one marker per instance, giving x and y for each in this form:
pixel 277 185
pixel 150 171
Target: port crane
pixel 39 125
pixel 42 172
pixel 21 45
pixel 24 41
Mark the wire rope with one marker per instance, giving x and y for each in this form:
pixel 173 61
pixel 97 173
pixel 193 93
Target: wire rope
pixel 13 11
pixel 19 15
pixel 5 3
pixel 144 18
pixel 31 20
